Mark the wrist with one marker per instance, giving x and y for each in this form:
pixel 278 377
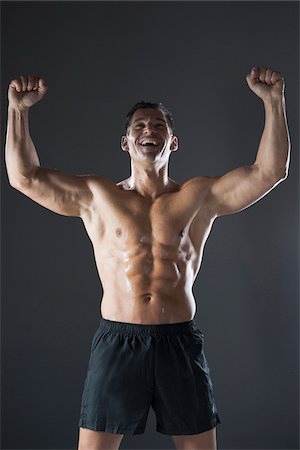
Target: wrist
pixel 274 103
pixel 18 108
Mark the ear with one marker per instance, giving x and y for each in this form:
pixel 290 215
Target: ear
pixel 174 144
pixel 124 143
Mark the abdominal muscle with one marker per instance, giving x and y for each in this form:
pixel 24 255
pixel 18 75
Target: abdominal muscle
pixel 146 289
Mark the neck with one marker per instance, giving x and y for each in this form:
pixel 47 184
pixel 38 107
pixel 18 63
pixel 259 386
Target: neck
pixel 150 181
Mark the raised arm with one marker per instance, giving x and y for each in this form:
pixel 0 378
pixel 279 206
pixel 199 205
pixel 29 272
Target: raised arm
pixel 61 192
pixel 243 186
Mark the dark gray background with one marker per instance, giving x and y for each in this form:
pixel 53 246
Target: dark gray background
pixel 98 59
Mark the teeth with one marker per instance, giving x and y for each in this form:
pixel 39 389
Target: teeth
pixel 150 142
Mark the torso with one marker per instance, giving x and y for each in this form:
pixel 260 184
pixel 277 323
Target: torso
pixel 148 252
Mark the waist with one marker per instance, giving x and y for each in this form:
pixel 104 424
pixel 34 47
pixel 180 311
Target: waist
pixel 148 308
pixel 147 329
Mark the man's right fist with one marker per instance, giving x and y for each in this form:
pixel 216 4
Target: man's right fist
pixel 25 91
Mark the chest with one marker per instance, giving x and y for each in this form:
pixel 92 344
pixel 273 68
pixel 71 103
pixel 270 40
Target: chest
pixel 129 220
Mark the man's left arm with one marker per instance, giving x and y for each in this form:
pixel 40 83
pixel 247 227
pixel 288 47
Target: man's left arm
pixel 241 187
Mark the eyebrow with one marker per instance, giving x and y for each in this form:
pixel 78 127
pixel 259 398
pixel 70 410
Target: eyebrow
pixel 142 118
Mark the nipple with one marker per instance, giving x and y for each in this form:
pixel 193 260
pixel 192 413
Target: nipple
pixel 118 232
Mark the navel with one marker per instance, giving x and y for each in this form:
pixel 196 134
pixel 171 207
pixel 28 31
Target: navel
pixel 145 239
pixel 147 297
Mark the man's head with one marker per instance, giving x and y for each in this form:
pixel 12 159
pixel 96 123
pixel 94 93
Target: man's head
pixel 144 105
pixel 149 131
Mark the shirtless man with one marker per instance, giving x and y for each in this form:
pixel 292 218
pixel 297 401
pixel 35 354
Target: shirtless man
pixel 148 233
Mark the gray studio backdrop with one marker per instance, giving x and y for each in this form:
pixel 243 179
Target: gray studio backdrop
pixel 98 58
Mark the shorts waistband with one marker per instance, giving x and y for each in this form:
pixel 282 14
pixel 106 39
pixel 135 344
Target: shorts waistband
pixel 152 329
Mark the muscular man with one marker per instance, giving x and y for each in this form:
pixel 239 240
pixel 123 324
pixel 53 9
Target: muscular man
pixel 148 234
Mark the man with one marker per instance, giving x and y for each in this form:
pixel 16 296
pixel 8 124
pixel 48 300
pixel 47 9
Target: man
pixel 148 234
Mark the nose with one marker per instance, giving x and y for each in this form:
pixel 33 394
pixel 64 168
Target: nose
pixel 148 128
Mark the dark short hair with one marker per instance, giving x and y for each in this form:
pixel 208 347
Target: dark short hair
pixel 144 105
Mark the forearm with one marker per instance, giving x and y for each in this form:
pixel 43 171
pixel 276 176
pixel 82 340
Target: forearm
pixel 20 154
pixel 274 149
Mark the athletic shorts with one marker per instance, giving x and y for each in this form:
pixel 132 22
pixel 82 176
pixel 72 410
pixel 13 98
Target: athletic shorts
pixel 135 366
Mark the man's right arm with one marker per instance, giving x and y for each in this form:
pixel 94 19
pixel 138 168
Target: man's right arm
pixel 61 192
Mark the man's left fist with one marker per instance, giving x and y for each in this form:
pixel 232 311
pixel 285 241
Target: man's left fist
pixel 266 83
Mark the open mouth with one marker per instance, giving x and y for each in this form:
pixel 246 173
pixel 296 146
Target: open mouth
pixel 150 143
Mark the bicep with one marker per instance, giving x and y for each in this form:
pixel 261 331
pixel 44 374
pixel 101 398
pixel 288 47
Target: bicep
pixel 58 191
pixel 238 189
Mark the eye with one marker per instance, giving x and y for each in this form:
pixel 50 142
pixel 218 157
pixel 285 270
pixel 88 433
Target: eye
pixel 139 125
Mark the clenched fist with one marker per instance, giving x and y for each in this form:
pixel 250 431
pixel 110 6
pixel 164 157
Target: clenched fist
pixel 266 83
pixel 25 91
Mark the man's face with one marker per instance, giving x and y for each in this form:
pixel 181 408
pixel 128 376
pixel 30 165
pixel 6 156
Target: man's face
pixel 149 136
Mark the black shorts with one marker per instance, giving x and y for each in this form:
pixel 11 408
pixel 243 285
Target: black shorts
pixel 133 366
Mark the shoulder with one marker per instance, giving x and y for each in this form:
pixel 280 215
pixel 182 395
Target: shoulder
pixel 199 189
pixel 98 181
pixel 200 184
